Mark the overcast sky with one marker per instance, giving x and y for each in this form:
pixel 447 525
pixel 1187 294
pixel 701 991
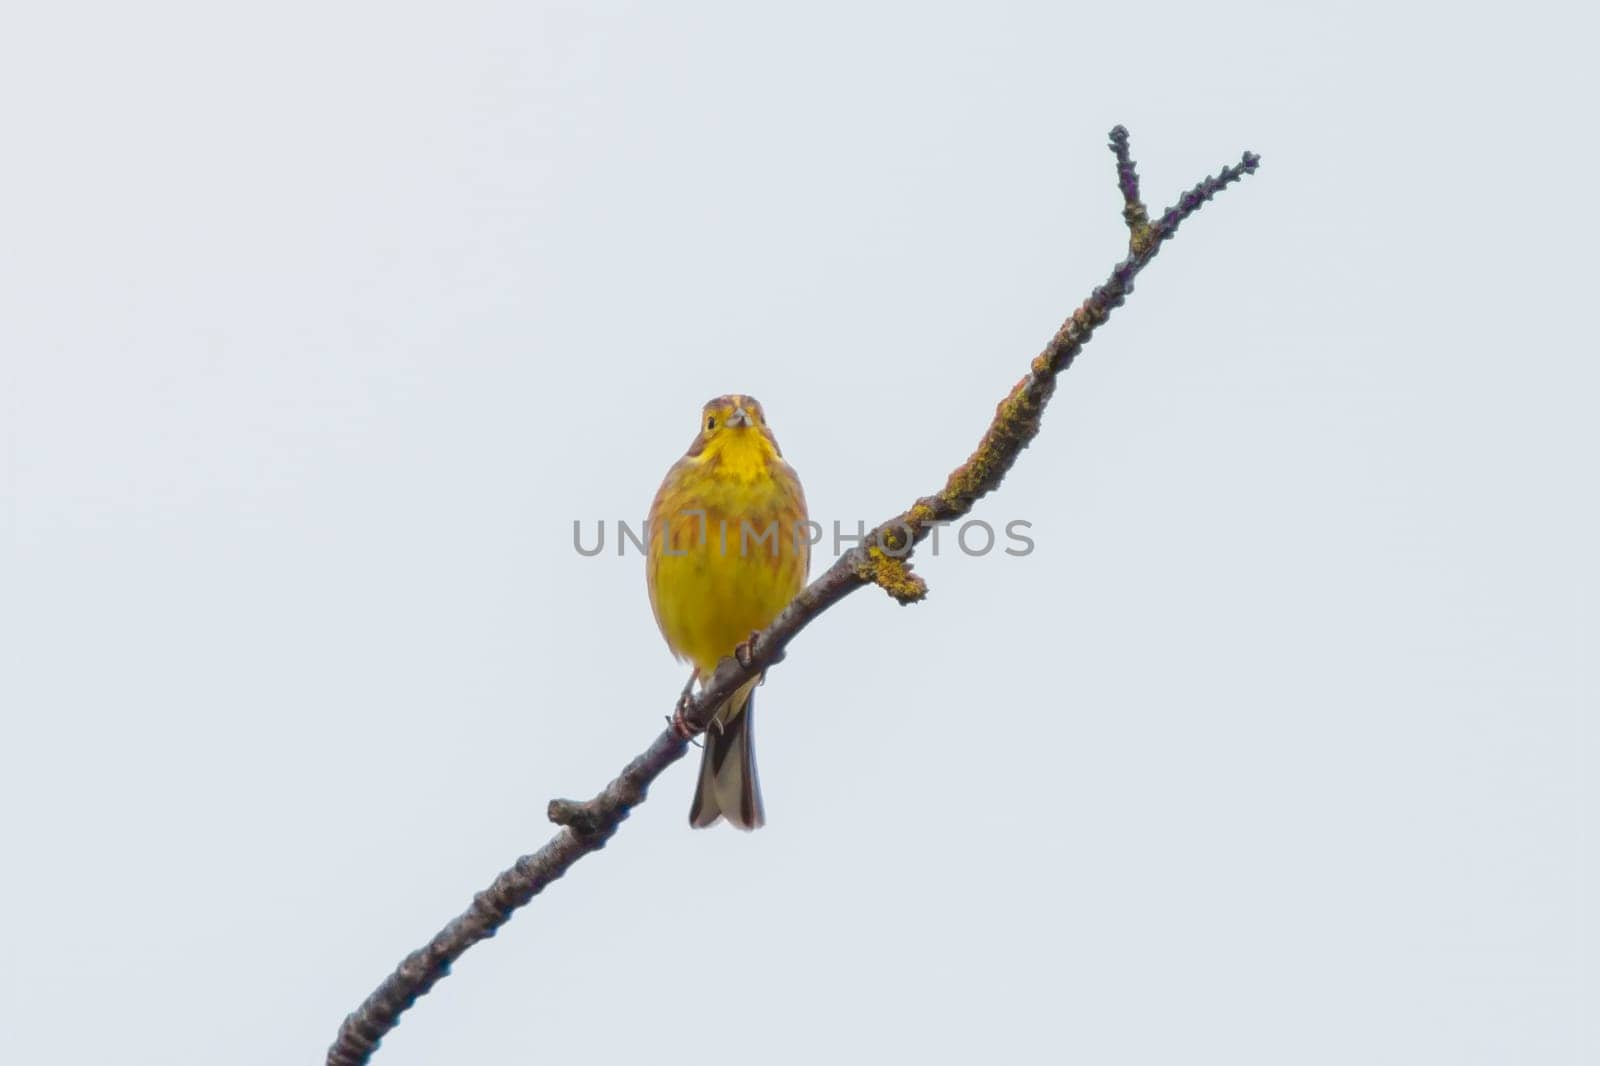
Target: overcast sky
pixel 320 324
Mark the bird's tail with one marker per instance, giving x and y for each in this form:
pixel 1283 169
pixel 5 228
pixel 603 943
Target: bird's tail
pixel 728 785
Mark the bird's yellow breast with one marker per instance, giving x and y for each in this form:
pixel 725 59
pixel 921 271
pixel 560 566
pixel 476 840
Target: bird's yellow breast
pixel 727 548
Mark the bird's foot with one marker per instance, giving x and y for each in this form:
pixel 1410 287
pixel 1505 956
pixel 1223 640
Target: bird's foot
pixel 679 718
pixel 745 651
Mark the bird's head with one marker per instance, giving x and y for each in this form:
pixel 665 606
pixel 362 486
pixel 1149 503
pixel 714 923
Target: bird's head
pixel 733 422
pixel 731 413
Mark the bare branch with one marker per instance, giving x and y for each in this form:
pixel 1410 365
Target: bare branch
pixel 1133 210
pixel 882 559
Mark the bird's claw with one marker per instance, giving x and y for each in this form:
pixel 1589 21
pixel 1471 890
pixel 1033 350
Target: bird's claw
pixel 679 724
pixel 745 651
pixel 679 718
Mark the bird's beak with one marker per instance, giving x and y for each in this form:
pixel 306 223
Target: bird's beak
pixel 739 419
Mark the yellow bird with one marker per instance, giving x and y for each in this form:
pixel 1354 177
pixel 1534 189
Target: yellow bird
pixel 729 548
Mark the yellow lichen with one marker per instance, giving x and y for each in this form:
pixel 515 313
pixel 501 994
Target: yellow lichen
pixel 1140 233
pixel 892 575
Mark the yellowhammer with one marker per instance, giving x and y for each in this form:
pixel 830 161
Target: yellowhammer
pixel 729 548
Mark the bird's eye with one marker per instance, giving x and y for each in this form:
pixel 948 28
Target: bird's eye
pixel 711 423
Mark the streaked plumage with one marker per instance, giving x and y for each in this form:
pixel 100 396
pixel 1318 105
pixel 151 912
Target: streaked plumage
pixel 730 580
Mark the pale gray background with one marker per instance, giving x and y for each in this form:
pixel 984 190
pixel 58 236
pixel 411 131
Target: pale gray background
pixel 321 323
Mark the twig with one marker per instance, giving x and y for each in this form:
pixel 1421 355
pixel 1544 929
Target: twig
pixel 882 559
